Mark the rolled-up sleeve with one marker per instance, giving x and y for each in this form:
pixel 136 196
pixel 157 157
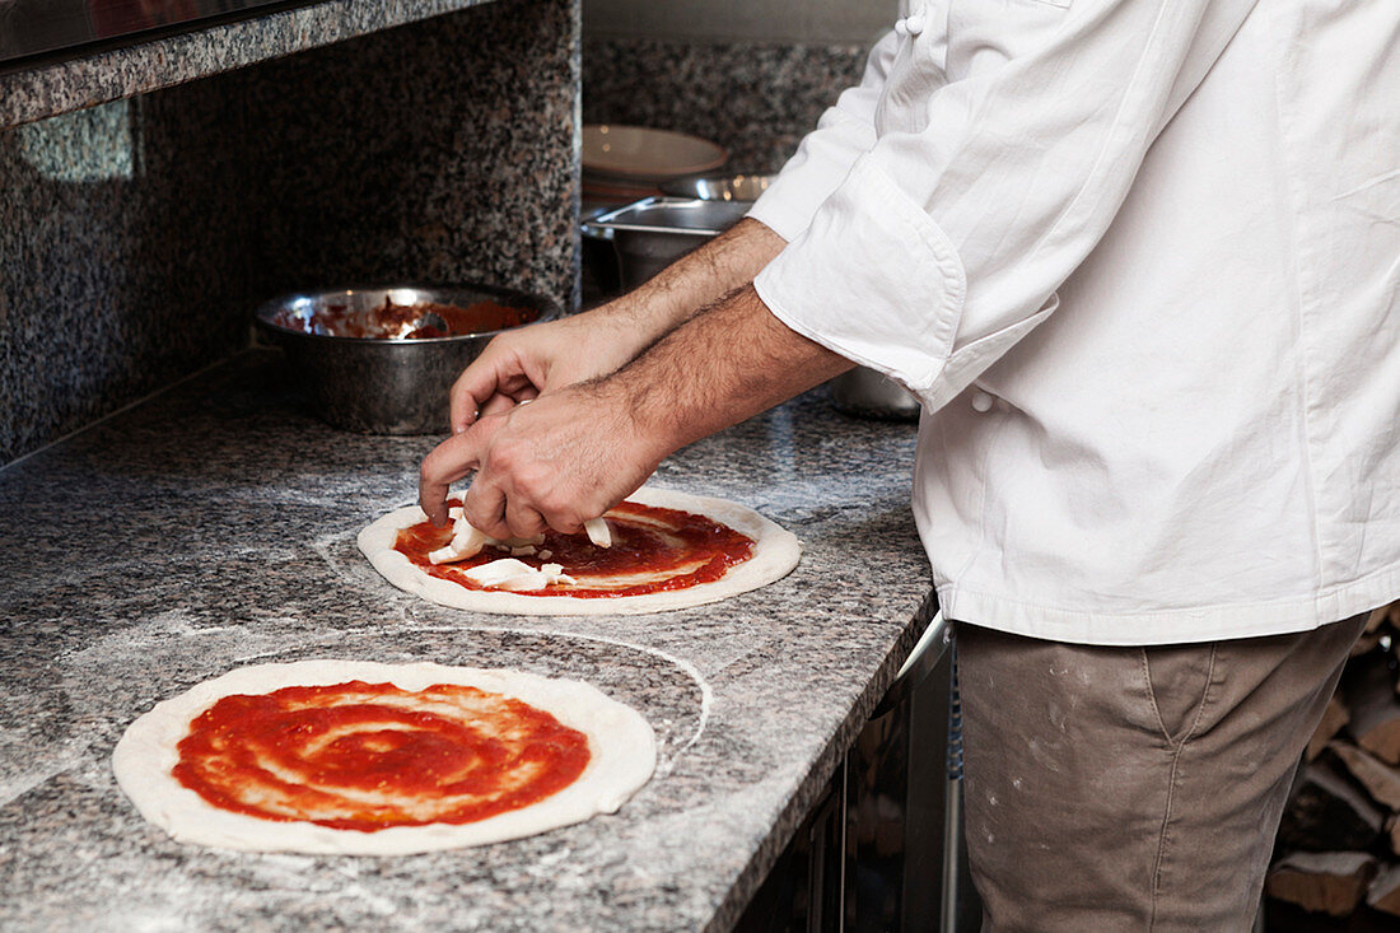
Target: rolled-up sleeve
pixel 944 243
pixel 825 155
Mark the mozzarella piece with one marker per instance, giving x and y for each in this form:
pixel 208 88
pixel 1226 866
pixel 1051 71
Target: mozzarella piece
pixel 556 574
pixel 498 573
pixel 598 532
pixel 467 541
pixel 515 575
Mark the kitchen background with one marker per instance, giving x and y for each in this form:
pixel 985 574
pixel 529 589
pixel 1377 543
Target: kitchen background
pixel 752 76
pixel 137 235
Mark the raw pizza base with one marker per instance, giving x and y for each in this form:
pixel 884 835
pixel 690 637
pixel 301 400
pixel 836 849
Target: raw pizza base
pixel 621 743
pixel 775 554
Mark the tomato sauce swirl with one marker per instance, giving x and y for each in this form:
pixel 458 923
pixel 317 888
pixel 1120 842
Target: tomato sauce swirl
pixel 360 756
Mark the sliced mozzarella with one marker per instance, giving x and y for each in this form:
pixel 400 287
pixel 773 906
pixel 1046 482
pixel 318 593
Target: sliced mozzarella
pixel 556 574
pixel 502 573
pixel 511 574
pixel 598 532
pixel 525 551
pixel 467 541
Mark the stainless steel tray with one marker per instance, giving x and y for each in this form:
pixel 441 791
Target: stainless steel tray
pixel 652 233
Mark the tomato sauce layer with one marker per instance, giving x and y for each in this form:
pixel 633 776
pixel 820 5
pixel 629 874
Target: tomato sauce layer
pixel 391 321
pixel 367 757
pixel 673 549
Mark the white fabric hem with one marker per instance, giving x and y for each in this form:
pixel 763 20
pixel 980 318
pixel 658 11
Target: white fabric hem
pixel 786 220
pixel 1169 626
pixel 902 323
pixel 795 323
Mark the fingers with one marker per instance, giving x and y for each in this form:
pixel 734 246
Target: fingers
pixel 523 520
pixel 468 410
pixel 496 405
pixel 471 389
pixel 484 505
pixel 550 464
pixel 449 462
pixel 500 403
pixel 489 375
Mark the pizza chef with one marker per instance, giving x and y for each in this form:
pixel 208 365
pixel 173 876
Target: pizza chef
pixel 1138 260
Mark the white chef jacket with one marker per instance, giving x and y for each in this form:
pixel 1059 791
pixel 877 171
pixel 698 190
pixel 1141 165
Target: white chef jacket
pixel 1140 260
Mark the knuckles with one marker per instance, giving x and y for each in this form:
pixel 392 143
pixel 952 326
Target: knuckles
pixel 490 524
pixel 568 526
pixel 561 512
pixel 527 526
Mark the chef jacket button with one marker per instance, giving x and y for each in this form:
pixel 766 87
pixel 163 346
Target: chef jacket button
pixel 914 25
pixel 981 401
pixel 901 27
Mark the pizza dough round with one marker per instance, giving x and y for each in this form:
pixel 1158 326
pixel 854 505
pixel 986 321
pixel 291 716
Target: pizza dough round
pixel 775 554
pixel 621 744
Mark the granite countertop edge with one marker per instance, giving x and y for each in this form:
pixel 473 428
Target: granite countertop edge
pixel 809 793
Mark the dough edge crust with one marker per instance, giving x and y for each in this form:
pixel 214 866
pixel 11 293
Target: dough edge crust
pixel 776 553
pixel 621 742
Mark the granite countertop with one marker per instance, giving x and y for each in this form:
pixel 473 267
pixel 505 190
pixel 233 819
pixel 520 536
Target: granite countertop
pixel 213 526
pixel 47 89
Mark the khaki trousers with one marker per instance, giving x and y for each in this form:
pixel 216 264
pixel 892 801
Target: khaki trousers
pixel 1129 789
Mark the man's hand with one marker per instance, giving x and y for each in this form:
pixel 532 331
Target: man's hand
pixel 573 453
pixel 519 365
pixel 567 457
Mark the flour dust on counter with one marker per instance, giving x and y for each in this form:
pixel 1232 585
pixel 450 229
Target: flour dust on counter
pixel 659 550
pixel 332 756
pixel 752 700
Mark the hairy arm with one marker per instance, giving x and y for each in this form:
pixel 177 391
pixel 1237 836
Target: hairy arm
pixel 575 453
pixel 732 361
pixel 697 280
pixel 520 365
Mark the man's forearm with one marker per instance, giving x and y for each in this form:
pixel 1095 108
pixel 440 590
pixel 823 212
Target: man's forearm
pixel 695 281
pixel 725 364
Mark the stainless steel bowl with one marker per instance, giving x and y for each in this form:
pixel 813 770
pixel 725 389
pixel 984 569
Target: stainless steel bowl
pixel 731 187
pixel 385 386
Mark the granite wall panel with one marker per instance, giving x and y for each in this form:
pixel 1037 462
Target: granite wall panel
pixel 464 173
pixel 120 262
pixel 802 22
pixel 137 237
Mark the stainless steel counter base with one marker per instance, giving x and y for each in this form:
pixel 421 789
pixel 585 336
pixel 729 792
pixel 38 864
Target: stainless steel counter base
pixel 883 850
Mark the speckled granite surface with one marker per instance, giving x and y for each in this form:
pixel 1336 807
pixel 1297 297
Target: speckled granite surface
pixel 757 100
pixel 137 237
pixel 222 534
pixel 46 90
